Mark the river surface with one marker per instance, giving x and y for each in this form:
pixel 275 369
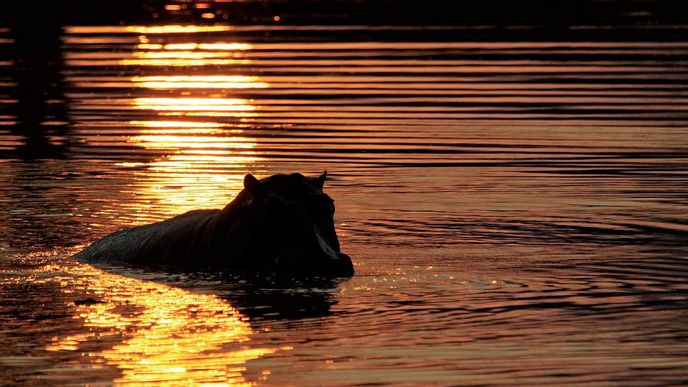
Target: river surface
pixel 516 206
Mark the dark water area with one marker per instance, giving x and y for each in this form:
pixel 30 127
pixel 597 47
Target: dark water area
pixel 510 180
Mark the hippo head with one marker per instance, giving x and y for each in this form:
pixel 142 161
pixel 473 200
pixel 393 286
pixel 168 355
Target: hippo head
pixel 288 226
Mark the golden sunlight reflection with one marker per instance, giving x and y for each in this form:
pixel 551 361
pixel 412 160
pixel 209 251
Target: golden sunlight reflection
pixel 204 170
pixel 176 29
pixel 231 107
pixel 158 333
pixel 203 155
pixel 178 59
pixel 186 54
pixel 157 140
pixel 179 126
pixel 202 81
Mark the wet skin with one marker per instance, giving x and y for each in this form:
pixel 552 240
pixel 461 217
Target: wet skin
pixel 279 224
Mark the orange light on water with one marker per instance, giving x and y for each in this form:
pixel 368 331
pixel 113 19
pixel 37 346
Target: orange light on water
pixel 225 46
pixel 204 167
pixel 180 46
pixel 181 58
pixel 193 178
pixel 201 161
pixel 193 46
pixel 176 29
pixel 205 61
pixel 201 81
pixel 186 53
pixel 184 126
pixel 167 141
pixel 147 46
pixel 179 106
pixel 159 333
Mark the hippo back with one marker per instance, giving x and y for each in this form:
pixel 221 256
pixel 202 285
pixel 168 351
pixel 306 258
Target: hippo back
pixel 168 242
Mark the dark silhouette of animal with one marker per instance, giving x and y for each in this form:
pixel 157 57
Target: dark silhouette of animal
pixel 280 224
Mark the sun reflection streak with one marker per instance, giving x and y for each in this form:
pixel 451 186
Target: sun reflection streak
pixel 203 61
pixel 153 332
pixel 186 54
pixel 202 156
pixel 176 29
pixel 179 125
pixel 183 55
pixel 195 174
pixel 202 81
pixel 184 182
pixel 158 333
pixel 198 142
pixel 181 105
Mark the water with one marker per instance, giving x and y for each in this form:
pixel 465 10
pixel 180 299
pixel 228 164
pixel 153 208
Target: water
pixel 515 200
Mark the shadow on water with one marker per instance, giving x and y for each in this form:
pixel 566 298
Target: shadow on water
pixel 284 300
pixel 256 296
pixel 42 121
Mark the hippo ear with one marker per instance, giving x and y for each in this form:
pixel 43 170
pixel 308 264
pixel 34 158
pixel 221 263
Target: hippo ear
pixel 320 183
pixel 251 184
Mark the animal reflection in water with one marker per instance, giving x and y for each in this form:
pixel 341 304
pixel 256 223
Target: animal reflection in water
pixel 279 224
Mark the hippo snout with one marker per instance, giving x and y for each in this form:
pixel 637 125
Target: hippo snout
pixel 344 265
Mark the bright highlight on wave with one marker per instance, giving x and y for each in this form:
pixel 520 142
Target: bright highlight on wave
pixel 191 59
pixel 185 53
pixel 161 29
pixel 201 81
pixel 218 46
pixel 176 29
pixel 180 125
pixel 233 107
pixel 190 142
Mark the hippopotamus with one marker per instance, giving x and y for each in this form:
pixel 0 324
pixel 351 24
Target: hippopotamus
pixel 279 224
